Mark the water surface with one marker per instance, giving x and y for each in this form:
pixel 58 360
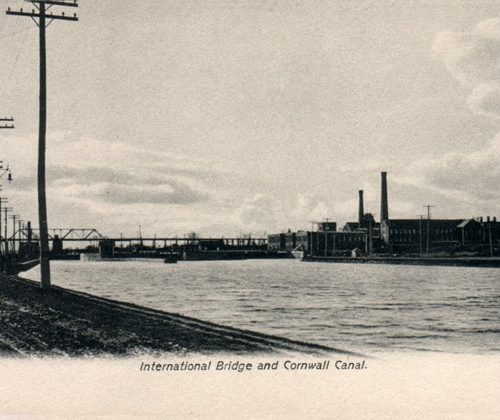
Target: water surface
pixel 358 307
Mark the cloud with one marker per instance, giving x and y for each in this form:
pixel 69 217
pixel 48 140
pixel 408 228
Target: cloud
pixel 266 212
pixel 116 173
pixel 111 185
pixel 473 174
pixel 115 186
pixel 485 99
pixel 465 182
pixel 473 58
pixel 309 207
pixel 170 192
pixel 260 211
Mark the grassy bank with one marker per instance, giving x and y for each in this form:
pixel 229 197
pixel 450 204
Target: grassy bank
pixel 63 322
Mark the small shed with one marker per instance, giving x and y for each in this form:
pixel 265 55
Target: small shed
pixel 356 252
pixel 470 231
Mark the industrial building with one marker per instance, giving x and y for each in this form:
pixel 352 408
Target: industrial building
pixel 426 235
pixel 393 236
pixel 323 240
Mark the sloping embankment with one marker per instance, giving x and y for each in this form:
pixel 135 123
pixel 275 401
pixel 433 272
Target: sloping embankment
pixel 63 322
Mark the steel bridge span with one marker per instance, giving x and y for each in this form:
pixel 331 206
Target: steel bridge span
pixel 93 235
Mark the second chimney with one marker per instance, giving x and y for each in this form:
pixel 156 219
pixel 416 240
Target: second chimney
pixel 384 204
pixel 361 211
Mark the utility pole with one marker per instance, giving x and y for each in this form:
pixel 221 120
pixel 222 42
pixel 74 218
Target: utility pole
pixel 311 247
pixel 19 230
pixel 428 239
pixel 6 210
pixel 44 20
pixel 370 238
pixel 326 240
pixel 4 121
pixel 420 236
pixel 4 201
pixel 1 200
pixel 490 239
pixel 14 217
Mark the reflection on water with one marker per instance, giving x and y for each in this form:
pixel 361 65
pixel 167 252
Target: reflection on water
pixel 350 306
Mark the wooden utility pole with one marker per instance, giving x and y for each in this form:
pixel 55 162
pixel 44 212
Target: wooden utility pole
pixel 6 210
pixel 428 239
pixel 311 247
pixel 490 239
pixel 4 201
pixel 14 218
pixel 326 241
pixel 6 123
pixel 370 236
pixel 45 18
pixel 420 236
pixel 20 224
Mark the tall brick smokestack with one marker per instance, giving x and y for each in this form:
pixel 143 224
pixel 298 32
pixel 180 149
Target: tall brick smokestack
pixel 384 204
pixel 361 211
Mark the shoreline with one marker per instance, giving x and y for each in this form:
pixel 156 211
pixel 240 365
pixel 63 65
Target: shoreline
pixel 68 323
pixel 478 262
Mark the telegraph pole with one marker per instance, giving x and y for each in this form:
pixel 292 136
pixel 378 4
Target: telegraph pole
pixel 14 217
pixel 19 230
pixel 420 236
pixel 490 240
pixel 44 19
pixel 370 238
pixel 6 123
pixel 2 200
pixel 6 210
pixel 427 245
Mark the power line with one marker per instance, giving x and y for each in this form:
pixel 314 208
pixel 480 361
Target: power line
pixel 7 88
pixel 10 35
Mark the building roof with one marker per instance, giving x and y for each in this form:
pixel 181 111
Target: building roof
pixel 466 222
pixel 416 222
pixel 350 226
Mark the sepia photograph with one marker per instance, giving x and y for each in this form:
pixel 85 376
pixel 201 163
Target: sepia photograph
pixel 251 209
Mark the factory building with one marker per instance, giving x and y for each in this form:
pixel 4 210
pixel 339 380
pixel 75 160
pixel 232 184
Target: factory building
pixel 394 236
pixel 325 240
pixel 288 241
pixel 433 235
pixel 491 230
pixel 332 243
pixel 423 236
pixel 276 242
pixel 410 235
pixel 367 225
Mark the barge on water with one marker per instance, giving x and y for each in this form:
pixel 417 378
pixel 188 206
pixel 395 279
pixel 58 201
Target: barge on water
pixel 15 264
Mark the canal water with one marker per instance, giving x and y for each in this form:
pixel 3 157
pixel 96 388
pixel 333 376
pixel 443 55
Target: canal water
pixel 357 307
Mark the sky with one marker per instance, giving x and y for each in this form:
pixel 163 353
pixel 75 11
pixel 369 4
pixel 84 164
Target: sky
pixel 229 117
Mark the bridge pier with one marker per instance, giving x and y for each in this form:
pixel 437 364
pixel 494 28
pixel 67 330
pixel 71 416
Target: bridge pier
pixel 106 248
pixel 57 246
